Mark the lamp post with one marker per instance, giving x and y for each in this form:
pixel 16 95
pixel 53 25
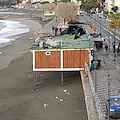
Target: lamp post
pixel 109 42
pixel 108 97
pixel 100 26
pixel 105 20
pixel 114 43
pixel 95 79
pixel 43 21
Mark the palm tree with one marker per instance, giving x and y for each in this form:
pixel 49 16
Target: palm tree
pixel 114 16
pixel 115 24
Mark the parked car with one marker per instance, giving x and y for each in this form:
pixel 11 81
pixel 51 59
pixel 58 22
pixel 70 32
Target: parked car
pixel 114 107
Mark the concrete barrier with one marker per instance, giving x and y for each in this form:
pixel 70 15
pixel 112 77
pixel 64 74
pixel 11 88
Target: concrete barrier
pixel 96 100
pixel 89 99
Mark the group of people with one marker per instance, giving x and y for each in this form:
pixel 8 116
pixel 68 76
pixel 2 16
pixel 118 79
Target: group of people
pixel 56 29
pixel 106 48
pixel 99 45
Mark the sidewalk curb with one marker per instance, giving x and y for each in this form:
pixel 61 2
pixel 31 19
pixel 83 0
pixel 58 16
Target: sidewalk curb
pixel 89 100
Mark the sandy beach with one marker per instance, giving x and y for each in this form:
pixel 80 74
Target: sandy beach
pixel 19 100
pixel 21 45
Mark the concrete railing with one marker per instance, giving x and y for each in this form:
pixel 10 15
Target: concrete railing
pixel 101 115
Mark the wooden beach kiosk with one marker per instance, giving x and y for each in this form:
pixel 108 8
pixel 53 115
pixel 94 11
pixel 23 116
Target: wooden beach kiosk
pixel 62 53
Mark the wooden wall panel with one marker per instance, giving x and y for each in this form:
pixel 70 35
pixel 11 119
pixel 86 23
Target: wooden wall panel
pixel 75 58
pixel 71 59
pixel 84 57
pixel 47 61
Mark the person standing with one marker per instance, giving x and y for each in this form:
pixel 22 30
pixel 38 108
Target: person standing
pixel 60 30
pixel 106 47
pixel 56 18
pixel 56 30
pixel 114 50
pixel 53 28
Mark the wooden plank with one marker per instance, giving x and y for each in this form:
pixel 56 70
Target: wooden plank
pixel 84 58
pixel 71 59
pixel 75 58
pixel 47 61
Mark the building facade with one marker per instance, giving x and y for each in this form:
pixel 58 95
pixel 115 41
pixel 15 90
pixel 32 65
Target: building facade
pixel 117 3
pixel 109 4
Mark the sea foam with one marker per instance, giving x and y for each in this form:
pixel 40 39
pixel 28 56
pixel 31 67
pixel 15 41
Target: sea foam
pixel 10 31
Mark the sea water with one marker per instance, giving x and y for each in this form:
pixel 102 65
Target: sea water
pixel 10 30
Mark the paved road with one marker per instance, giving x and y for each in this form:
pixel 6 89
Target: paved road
pixel 109 37
pixel 105 22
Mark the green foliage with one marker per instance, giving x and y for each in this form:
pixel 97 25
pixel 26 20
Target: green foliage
pixel 105 12
pixel 115 8
pixel 90 4
pixel 44 2
pixel 111 12
pixel 93 9
pixel 100 10
pixel 114 16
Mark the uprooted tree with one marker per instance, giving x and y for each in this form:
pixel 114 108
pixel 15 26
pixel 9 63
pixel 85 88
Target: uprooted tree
pixel 66 11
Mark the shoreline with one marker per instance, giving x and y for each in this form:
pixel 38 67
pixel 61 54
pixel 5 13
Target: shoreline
pixel 20 45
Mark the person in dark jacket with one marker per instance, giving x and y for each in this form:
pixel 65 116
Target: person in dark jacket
pixel 106 47
pixel 60 30
pixel 53 28
pixel 56 30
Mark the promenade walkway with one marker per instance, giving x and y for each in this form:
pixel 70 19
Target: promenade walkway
pixel 110 65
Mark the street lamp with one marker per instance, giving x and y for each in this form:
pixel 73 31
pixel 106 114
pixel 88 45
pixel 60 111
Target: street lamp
pixel 108 97
pixel 109 42
pixel 100 26
pixel 95 79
